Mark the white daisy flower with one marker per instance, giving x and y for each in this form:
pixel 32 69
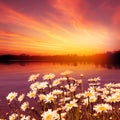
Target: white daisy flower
pixel 11 96
pixel 50 115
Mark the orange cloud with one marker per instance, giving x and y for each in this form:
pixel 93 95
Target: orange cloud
pixel 63 33
pixel 69 9
pixel 19 43
pixel 14 17
pixel 73 12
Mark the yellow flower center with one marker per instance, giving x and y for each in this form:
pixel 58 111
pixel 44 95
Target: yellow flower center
pixel 12 97
pixel 88 94
pixel 118 96
pixel 56 82
pixel 102 108
pixel 70 105
pixel 32 94
pixel 92 99
pixel 50 98
pixel 49 117
pixel 112 100
pixel 42 97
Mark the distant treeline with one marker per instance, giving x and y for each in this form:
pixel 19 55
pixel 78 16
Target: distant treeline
pixel 109 58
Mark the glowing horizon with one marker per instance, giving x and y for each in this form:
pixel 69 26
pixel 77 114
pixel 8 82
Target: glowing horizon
pixel 50 27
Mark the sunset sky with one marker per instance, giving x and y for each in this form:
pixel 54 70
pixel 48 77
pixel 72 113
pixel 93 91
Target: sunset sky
pixel 50 27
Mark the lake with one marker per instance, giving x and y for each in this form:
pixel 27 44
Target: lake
pixel 14 77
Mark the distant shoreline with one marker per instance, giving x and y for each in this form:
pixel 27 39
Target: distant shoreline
pixel 109 57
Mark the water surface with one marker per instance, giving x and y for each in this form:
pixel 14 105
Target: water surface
pixel 13 77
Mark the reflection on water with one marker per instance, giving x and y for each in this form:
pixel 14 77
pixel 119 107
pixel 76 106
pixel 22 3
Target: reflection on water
pixel 102 64
pixel 13 77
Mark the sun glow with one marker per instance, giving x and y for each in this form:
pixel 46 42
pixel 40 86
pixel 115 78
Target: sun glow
pixel 63 29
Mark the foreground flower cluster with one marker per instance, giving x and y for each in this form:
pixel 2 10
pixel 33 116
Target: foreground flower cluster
pixel 65 99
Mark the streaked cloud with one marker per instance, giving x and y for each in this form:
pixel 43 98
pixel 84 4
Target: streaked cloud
pixel 66 27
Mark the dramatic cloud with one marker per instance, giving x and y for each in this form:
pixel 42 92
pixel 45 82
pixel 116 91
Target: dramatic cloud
pixel 59 26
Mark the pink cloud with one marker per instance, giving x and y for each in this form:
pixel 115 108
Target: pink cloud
pixel 116 17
